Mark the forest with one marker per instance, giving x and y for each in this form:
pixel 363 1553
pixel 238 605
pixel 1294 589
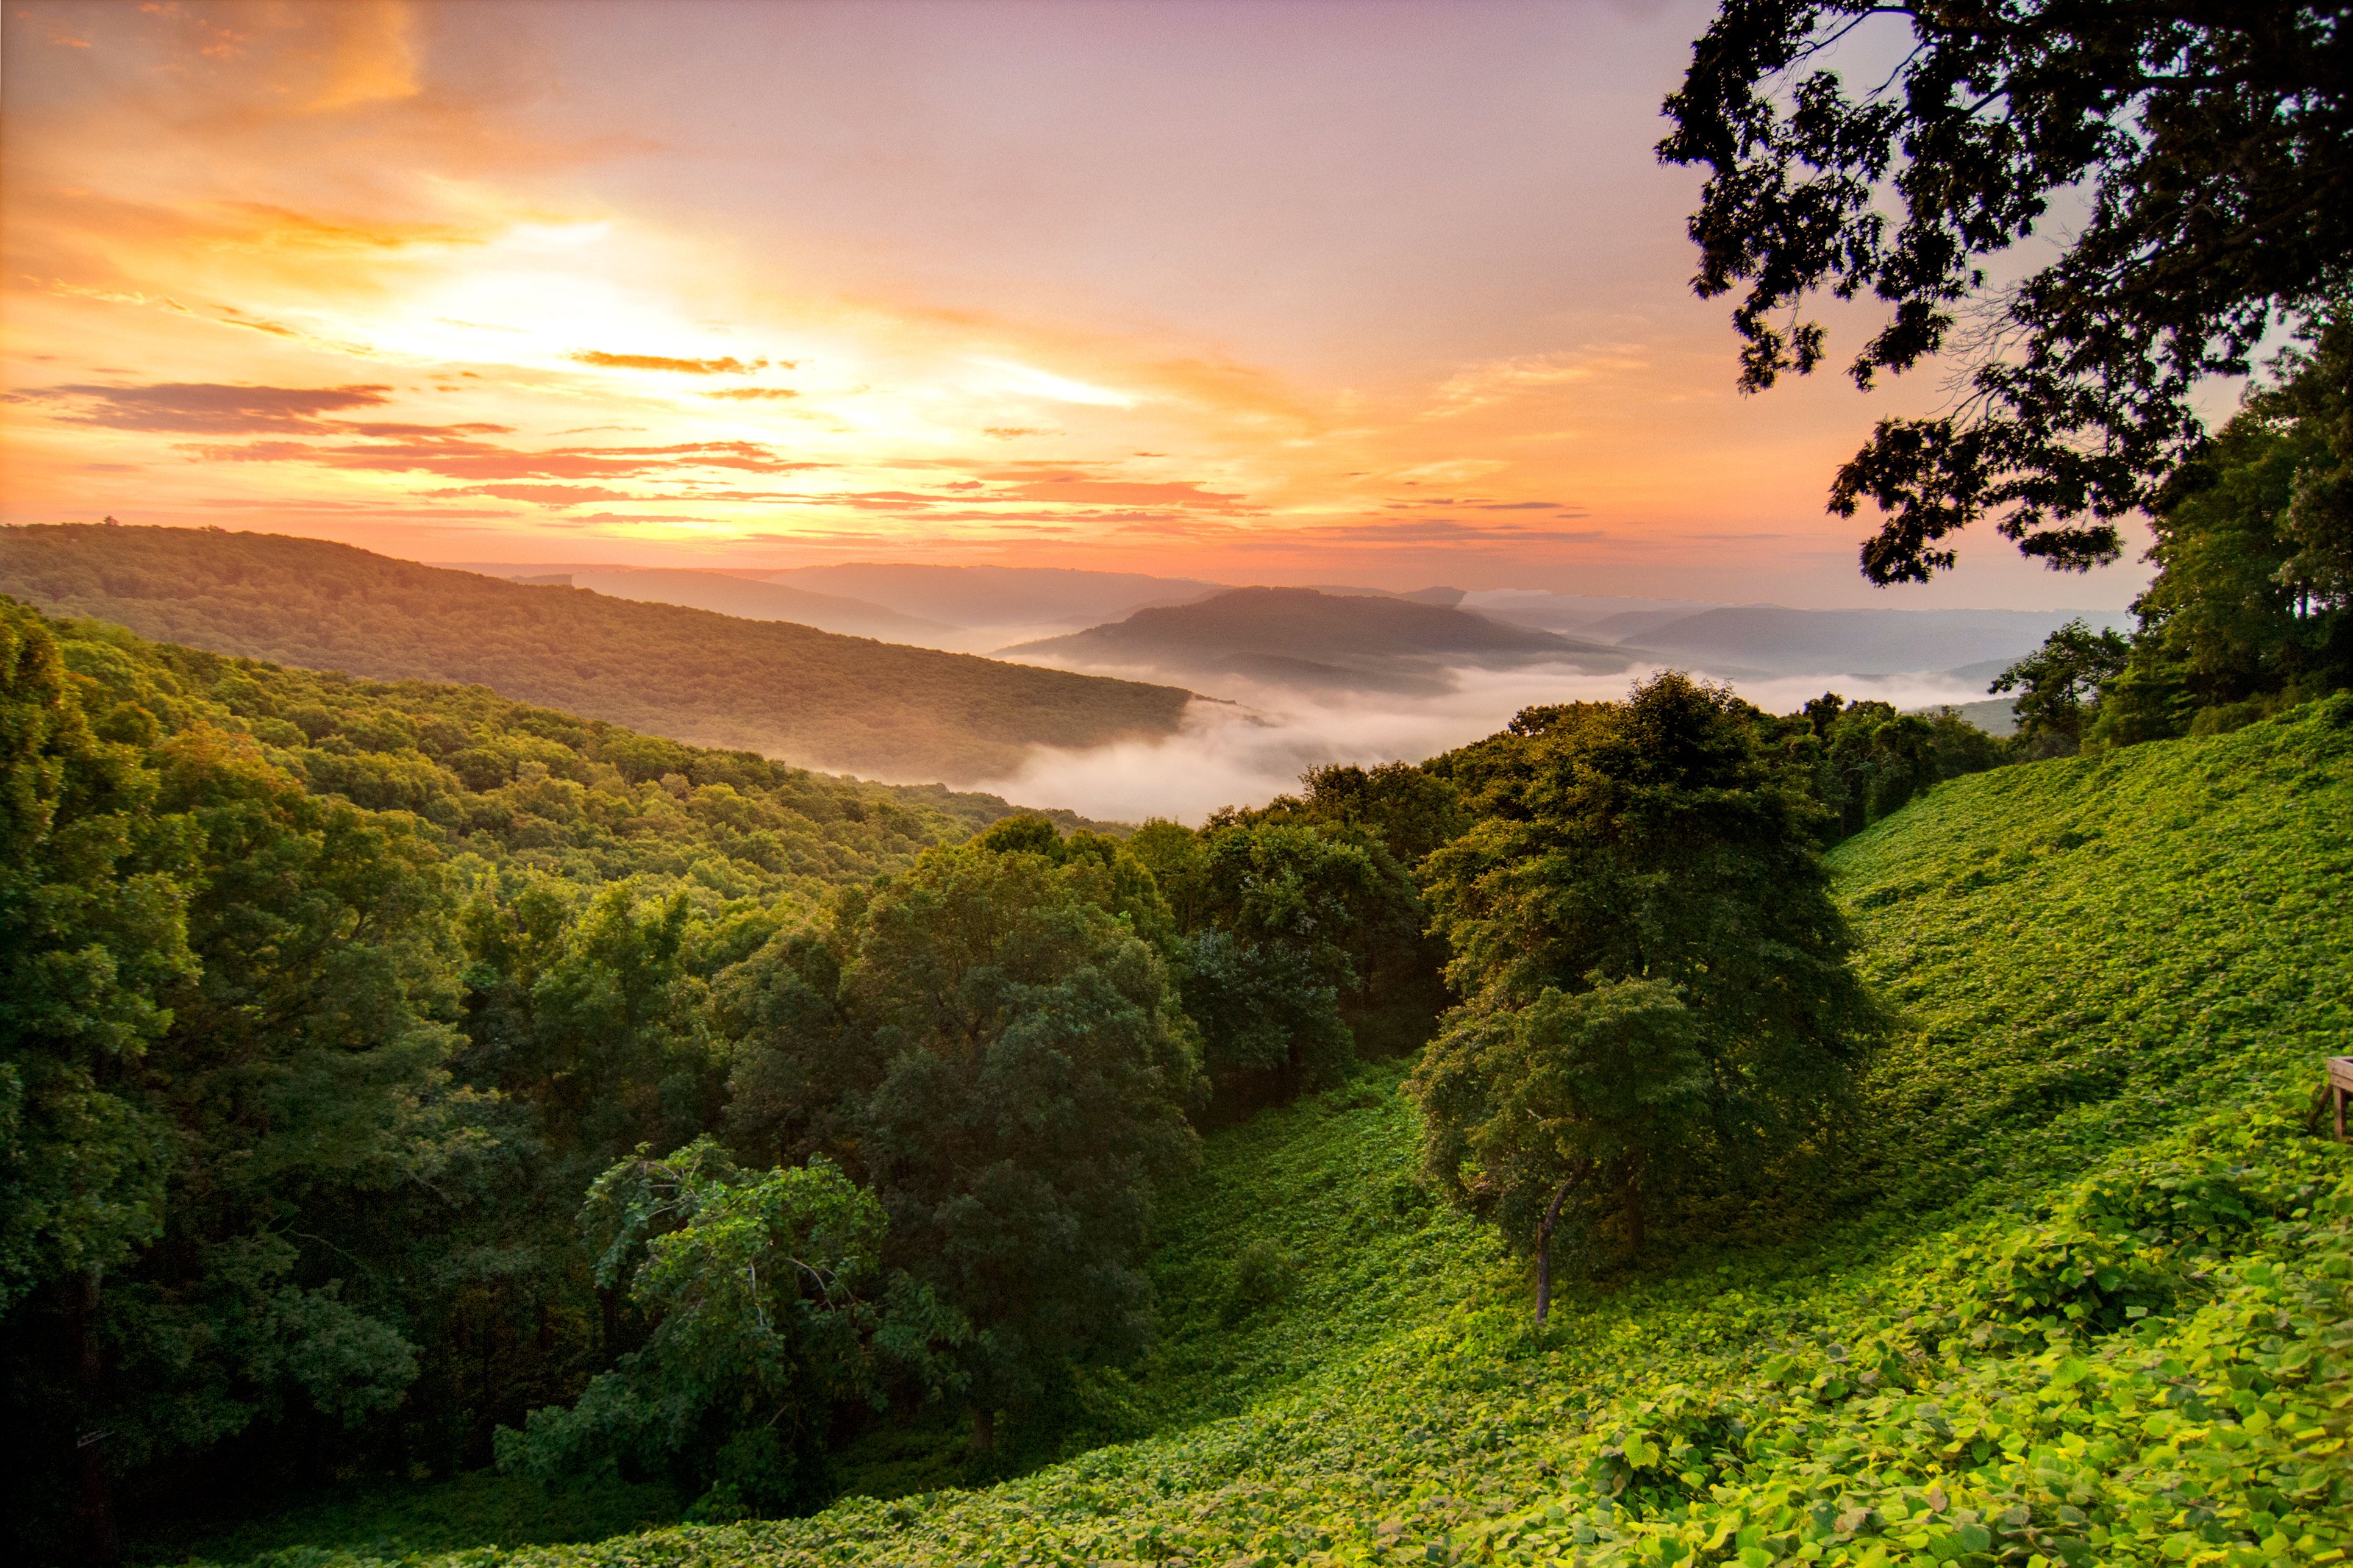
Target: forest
pixel 840 703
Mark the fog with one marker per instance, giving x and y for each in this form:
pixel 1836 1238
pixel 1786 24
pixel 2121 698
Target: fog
pixel 1247 750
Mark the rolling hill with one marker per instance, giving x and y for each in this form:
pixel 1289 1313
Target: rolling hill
pixel 2075 1287
pixel 1769 639
pixel 1302 637
pixel 808 697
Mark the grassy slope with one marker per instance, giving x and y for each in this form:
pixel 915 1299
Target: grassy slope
pixel 2122 974
pixel 787 690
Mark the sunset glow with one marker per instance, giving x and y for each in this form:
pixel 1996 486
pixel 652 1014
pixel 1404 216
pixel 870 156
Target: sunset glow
pixel 1163 288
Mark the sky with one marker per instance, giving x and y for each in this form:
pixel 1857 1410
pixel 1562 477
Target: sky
pixel 1255 290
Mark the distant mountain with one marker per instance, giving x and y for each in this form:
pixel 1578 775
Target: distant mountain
pixel 1766 639
pixel 1577 614
pixel 1299 637
pixel 1445 598
pixel 805 696
pixel 1994 715
pixel 1033 598
pixel 758 601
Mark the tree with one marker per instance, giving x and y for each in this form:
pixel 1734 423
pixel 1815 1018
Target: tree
pixel 2214 149
pixel 1278 916
pixel 1863 760
pixel 2252 607
pixel 93 933
pixel 1397 812
pixel 754 1281
pixel 1526 1104
pixel 227 1010
pixel 2059 683
pixel 987 1042
pixel 1657 983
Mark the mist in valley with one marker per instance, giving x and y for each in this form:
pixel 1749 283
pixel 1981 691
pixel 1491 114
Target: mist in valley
pixel 1253 741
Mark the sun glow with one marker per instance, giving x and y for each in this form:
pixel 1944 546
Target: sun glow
pixel 595 313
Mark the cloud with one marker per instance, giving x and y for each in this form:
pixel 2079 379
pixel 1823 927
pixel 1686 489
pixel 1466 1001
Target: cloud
pixel 483 461
pixel 391 432
pixel 1444 531
pixel 663 362
pixel 1497 380
pixel 1128 492
pixel 204 408
pixel 543 495
pixel 1013 432
pixel 747 394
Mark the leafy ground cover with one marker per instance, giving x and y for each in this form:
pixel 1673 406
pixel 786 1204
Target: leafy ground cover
pixel 2072 1287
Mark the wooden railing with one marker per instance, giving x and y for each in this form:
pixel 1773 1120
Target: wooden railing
pixel 2340 1088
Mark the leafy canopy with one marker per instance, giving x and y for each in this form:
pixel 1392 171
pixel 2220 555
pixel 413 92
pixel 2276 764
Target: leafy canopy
pixel 1656 980
pixel 987 1044
pixel 753 1283
pixel 2212 149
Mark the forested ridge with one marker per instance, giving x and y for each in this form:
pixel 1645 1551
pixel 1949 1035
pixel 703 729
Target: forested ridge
pixel 842 703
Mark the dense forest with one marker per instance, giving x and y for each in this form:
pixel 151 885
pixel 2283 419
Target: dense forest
pixel 840 703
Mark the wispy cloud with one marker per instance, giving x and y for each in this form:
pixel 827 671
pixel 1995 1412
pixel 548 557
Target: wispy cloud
pixel 202 406
pixel 683 367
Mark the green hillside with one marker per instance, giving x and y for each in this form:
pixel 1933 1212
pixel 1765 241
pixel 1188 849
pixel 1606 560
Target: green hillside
pixel 2072 1288
pixel 811 698
pixel 533 790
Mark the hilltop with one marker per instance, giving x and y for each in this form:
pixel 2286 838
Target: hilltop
pixel 1301 636
pixel 808 697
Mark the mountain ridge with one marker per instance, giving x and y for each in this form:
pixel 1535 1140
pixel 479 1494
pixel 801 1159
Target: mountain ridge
pixel 1304 636
pixel 837 703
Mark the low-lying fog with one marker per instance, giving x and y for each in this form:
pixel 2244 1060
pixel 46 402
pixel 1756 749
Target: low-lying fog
pixel 1248 750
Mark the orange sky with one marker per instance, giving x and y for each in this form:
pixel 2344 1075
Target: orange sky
pixel 1278 292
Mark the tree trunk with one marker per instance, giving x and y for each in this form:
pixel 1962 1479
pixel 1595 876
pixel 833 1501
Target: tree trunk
pixel 1544 1251
pixel 1629 1196
pixel 93 1509
pixel 983 1428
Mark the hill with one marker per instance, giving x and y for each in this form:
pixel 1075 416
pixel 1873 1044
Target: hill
pixel 1300 636
pixel 1770 640
pixel 1576 614
pixel 531 790
pixel 808 697
pixel 2075 1287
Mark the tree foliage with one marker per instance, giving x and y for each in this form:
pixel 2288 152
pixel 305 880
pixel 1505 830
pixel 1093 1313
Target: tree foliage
pixel 2058 684
pixel 762 1288
pixel 1652 843
pixel 2212 149
pixel 325 1001
pixel 987 1042
pixel 2251 609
